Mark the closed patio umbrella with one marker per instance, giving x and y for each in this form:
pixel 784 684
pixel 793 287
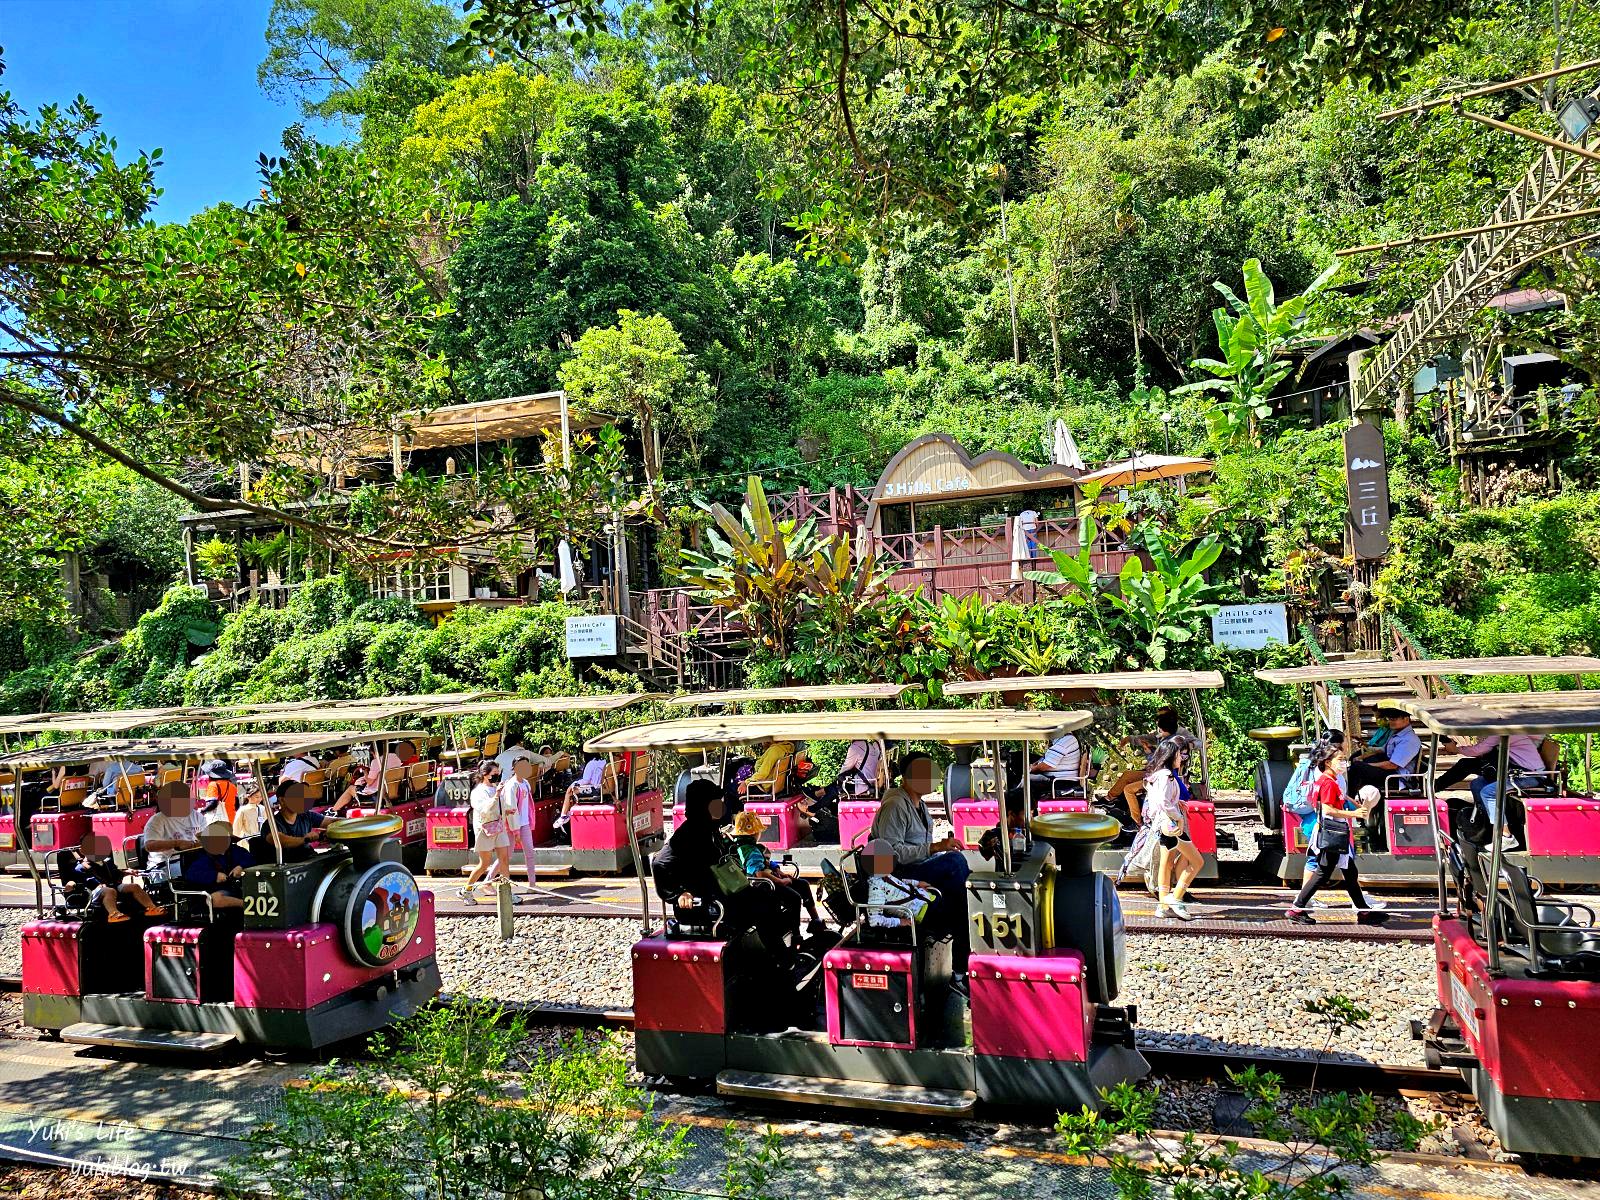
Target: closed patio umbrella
pixel 1064 451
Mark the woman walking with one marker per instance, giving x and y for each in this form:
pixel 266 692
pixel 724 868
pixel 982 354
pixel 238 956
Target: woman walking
pixel 491 838
pixel 1333 844
pixel 1166 792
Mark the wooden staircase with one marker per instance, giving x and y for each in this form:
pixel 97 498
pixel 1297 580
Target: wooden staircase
pixel 1558 181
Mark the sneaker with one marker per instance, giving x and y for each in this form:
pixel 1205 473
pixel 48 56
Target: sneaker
pixel 1165 910
pixel 1374 905
pixel 1366 916
pixel 470 895
pixel 1180 910
pixel 1299 916
pixel 1319 902
pixel 958 983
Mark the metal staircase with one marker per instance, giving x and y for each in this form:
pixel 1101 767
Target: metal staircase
pixel 1559 181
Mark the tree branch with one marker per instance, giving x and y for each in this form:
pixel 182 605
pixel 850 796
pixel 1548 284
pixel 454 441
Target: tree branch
pixel 201 502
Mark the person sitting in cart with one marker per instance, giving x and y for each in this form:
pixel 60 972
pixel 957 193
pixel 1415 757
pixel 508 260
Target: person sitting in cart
pixel 758 864
pixel 1062 763
pixel 171 830
pixel 1129 786
pixel 904 822
pixel 366 787
pixel 89 875
pixel 1479 759
pixel 218 795
pixel 1398 755
pixel 297 825
pixel 220 866
pixel 765 770
pixel 893 902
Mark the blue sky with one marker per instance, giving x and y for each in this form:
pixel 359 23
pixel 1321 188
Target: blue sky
pixel 174 74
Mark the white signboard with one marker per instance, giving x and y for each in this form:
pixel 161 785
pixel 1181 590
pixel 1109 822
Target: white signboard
pixel 591 637
pixel 1250 626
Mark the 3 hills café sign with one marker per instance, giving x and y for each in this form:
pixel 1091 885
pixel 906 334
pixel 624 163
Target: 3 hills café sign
pixel 1366 481
pixel 936 467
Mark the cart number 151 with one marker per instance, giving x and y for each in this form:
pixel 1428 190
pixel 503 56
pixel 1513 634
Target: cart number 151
pixel 997 927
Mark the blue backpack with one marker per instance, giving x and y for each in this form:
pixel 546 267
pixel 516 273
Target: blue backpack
pixel 1297 792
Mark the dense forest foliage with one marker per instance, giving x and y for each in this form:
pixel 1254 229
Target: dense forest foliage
pixel 509 216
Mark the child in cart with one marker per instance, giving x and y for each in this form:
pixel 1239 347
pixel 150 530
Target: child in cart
pixel 758 864
pixel 90 874
pixel 892 901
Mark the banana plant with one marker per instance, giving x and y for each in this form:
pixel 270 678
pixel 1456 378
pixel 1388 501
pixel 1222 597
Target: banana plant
pixel 1165 605
pixel 973 633
pixel 1251 339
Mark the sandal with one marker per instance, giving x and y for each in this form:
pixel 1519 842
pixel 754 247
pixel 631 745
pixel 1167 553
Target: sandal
pixel 154 910
pixel 114 918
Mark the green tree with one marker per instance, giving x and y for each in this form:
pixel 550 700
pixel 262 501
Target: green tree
pixel 639 368
pixel 1252 339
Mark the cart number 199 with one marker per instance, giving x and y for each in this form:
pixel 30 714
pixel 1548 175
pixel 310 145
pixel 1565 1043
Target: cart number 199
pixel 997 927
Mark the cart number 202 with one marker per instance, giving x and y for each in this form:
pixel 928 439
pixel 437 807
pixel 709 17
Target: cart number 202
pixel 998 926
pixel 261 906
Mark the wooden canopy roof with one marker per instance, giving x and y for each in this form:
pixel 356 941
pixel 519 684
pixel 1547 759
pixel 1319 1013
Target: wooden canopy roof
pixel 1360 670
pixel 1484 714
pixel 1120 681
pixel 111 721
pixel 458 425
pixel 962 726
pixel 794 695
pixel 528 704
pixel 254 746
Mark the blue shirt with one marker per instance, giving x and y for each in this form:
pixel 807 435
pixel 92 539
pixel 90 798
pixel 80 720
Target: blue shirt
pixel 1403 747
pixel 301 826
pixel 205 869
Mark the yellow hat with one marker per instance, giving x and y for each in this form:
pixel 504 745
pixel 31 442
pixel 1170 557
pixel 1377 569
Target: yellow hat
pixel 749 824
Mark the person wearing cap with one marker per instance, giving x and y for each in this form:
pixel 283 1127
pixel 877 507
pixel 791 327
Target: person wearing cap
pixel 793 892
pixel 1398 755
pixel 219 791
pixel 220 866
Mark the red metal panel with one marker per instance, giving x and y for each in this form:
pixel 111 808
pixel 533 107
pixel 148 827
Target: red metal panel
pixel 59 830
pixel 1202 825
pixel 449 829
pixel 863 965
pixel 972 819
pixel 51 959
pixel 122 824
pixel 1563 825
pixel 8 832
pixel 1535 1037
pixel 156 942
pixel 783 830
pixel 301 968
pixel 601 827
pixel 416 815
pixel 855 821
pixel 1030 1007
pixel 1408 816
pixel 678 986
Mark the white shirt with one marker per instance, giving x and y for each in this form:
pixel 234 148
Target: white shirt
pixel 1064 756
pixel 486 806
pixel 163 828
pixel 516 798
pixel 905 895
pixel 296 769
pixel 508 759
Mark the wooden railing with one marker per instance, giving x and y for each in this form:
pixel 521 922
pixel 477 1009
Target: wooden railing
pixel 838 510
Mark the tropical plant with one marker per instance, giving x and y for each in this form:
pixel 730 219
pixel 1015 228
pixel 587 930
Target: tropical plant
pixel 769 574
pixel 217 559
pixel 1164 605
pixel 1251 339
pixel 973 633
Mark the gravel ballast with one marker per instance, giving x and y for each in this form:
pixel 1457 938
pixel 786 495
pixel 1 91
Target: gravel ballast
pixel 1235 994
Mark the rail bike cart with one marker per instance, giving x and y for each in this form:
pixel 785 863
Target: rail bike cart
pixel 778 800
pixel 52 818
pixel 406 791
pixel 1518 970
pixel 1561 852
pixel 972 797
pixel 328 946
pixel 868 1018
pixel 599 840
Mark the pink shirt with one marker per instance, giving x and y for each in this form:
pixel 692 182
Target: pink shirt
pixel 520 793
pixel 1523 751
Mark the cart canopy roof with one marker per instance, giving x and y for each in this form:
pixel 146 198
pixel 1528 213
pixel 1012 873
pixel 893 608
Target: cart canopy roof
pixel 530 704
pixel 254 746
pixel 963 726
pixel 1120 681
pixel 1484 714
pixel 794 695
pixel 1360 670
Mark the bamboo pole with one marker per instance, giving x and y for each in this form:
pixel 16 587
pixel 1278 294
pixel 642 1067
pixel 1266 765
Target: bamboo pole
pixel 1472 231
pixel 1542 138
pixel 1487 90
